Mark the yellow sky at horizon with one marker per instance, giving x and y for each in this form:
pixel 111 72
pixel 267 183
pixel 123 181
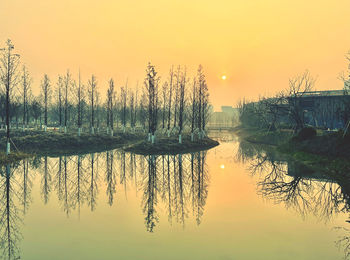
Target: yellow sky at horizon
pixel 257 44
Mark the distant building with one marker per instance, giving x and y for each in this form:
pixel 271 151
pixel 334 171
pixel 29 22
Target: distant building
pixel 228 117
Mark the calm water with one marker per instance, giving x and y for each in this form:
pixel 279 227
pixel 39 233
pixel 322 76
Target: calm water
pixel 235 201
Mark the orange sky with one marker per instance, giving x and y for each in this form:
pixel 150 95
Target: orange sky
pixel 258 44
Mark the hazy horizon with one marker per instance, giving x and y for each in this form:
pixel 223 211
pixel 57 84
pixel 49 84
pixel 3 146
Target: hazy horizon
pixel 258 45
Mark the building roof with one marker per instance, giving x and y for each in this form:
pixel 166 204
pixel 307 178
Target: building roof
pixel 324 93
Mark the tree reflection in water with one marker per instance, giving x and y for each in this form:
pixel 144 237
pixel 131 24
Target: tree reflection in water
pixel 176 182
pixel 296 186
pixel 10 214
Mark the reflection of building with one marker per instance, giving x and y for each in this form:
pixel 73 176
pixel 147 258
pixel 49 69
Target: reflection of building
pixel 228 117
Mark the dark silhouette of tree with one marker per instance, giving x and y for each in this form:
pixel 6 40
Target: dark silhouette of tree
pixel 123 102
pixel 80 95
pixel 36 110
pixel 26 183
pixel 150 195
pixel 298 86
pixel 46 181
pixel 79 184
pixel 10 217
pixel 151 84
pixel 93 188
pixel 9 77
pixel 110 107
pixel 194 105
pixel 67 80
pixel 60 99
pixel 182 102
pixel 170 93
pixel 46 95
pixel 25 93
pixel 110 177
pixel 92 99
pixel 164 103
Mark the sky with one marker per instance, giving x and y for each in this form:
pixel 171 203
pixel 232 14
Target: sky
pixel 257 44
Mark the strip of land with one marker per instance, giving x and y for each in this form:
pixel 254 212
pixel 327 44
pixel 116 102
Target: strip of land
pixel 30 143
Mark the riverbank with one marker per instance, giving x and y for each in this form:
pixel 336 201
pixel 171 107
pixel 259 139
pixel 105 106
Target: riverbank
pixel 258 136
pixel 326 161
pixel 165 145
pixel 321 147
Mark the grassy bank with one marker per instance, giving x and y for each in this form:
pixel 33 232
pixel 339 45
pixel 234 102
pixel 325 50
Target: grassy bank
pixel 51 143
pixel 331 145
pixel 258 136
pixel 323 148
pixel 325 153
pixel 165 145
pixel 55 143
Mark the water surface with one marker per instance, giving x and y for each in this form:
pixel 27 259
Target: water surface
pixel 236 201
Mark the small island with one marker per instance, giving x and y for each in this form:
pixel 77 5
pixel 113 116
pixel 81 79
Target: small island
pixel 53 143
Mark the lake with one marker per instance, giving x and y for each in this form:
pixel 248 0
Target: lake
pixel 235 201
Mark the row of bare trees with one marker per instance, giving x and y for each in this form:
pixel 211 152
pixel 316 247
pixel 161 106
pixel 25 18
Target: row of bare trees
pixel 167 107
pixel 181 103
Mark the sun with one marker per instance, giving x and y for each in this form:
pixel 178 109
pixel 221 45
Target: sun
pixel 223 77
pixel 222 166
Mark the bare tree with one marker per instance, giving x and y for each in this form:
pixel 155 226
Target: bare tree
pixel 151 84
pixel 193 108
pixel 273 108
pixel 25 92
pixel 46 95
pixel 9 77
pixel 164 102
pixel 171 79
pixel 15 107
pixel 298 86
pixel 123 102
pixel 59 96
pixel 36 109
pixel 80 100
pixel 132 105
pixel 203 102
pixel 182 101
pixel 143 110
pixel 98 112
pixel 67 86
pixel 176 94
pixel 110 106
pixel 92 98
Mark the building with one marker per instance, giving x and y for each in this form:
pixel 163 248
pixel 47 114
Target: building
pixel 325 108
pixel 226 118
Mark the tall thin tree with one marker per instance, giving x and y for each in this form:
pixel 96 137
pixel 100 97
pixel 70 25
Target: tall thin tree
pixel 9 77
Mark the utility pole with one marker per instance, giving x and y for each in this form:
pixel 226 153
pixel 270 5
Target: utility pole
pixel 8 68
